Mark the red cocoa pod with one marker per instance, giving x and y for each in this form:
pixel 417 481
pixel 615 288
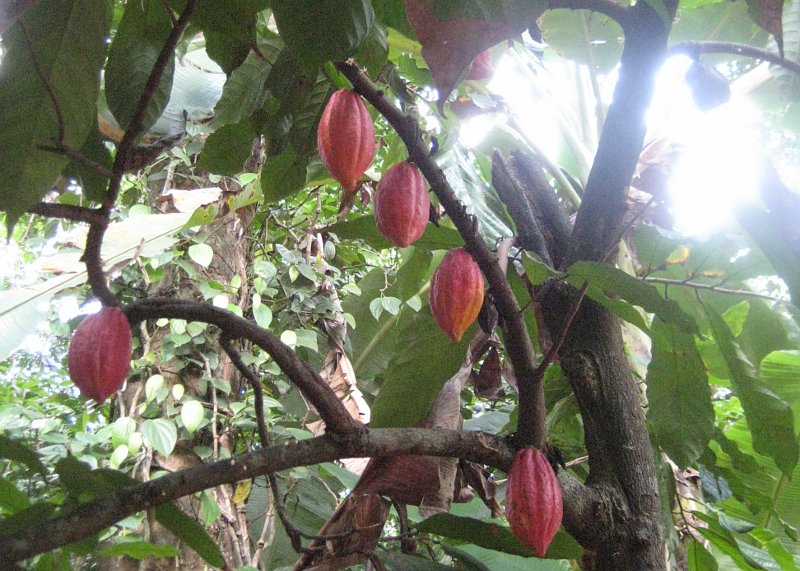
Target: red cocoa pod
pixel 533 500
pixel 482 66
pixel 99 356
pixel 402 204
pixel 346 138
pixel 456 293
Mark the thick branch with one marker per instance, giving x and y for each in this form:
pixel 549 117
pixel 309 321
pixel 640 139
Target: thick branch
pixel 695 49
pixel 604 201
pixel 94 516
pixel 67 212
pixel 319 394
pixel 518 342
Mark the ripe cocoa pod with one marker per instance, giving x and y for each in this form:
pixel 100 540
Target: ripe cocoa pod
pixel 533 500
pixel 456 293
pixel 99 356
pixel 346 138
pixel 402 204
pixel 482 66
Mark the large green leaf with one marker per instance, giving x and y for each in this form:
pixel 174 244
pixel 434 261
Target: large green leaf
pixel 140 37
pixel 593 39
pixel 190 532
pixel 769 417
pixel 245 90
pixel 364 228
pixel 229 29
pixel 494 536
pixel 320 30
pixel 426 359
pixel 54 51
pixel 11 499
pixel 226 149
pixel 140 550
pixel 680 409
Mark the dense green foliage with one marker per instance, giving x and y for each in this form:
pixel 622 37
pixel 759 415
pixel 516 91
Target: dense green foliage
pixel 226 202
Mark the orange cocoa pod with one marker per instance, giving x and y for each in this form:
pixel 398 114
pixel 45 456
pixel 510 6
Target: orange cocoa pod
pixel 534 507
pixel 456 293
pixel 346 138
pixel 99 355
pixel 402 204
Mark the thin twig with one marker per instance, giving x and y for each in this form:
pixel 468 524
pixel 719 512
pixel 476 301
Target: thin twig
pixel 714 288
pixel 694 49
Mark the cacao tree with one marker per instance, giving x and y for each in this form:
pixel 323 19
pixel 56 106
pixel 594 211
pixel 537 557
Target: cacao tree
pixel 398 285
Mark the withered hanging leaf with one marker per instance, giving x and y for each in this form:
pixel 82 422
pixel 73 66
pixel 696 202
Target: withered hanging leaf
pixel 487 382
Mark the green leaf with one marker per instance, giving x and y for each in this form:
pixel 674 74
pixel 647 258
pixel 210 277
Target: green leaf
pixel 700 559
pixel 192 414
pixel 245 90
pixel 226 149
pixel 320 30
pixel 769 417
pixel 140 37
pixel 209 507
pixel 229 29
pixel 11 498
pixel 59 47
pixel 160 434
pixel 363 227
pixel 680 399
pixel 417 372
pixel 401 562
pixel 536 270
pixel 283 175
pixel 190 532
pixel 154 384
pixel 75 476
pixel 11 449
pixel 498 560
pixel 603 278
pixel 122 429
pixel 201 254
pixel 488 535
pixel 140 550
pixel 263 315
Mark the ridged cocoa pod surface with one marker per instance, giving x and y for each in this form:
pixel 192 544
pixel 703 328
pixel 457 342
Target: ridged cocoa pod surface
pixel 534 507
pixel 456 293
pixel 99 355
pixel 402 204
pixel 346 138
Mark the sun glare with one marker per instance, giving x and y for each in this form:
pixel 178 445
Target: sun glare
pixel 719 158
pixel 719 155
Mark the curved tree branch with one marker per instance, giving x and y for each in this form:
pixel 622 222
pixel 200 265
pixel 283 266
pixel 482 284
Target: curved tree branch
pixel 695 49
pixel 518 342
pixel 317 391
pixel 94 516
